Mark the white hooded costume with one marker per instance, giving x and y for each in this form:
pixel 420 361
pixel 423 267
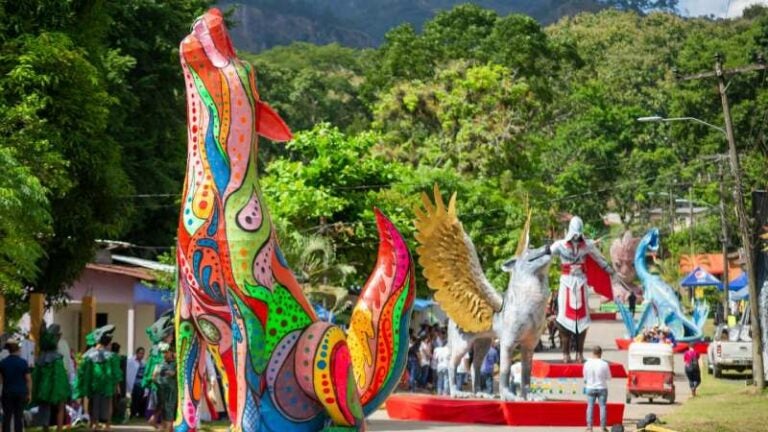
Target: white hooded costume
pixel 580 260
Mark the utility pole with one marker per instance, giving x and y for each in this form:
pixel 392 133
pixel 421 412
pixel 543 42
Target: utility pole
pixel 724 223
pixel 741 211
pixel 690 218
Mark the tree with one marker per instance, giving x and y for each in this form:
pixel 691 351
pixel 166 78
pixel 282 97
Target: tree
pixel 311 84
pixel 72 115
pixel 472 118
pixel 148 122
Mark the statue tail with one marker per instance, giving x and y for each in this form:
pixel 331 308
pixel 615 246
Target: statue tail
pixel 648 317
pixel 378 330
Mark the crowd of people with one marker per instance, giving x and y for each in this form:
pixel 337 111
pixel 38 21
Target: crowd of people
pixel 429 361
pixel 61 389
pixel 656 334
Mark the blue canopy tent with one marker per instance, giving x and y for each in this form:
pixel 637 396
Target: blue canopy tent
pixel 422 304
pixel 700 277
pixel 738 289
pixel 323 314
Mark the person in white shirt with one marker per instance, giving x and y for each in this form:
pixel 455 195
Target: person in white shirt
pixel 134 374
pixel 425 359
pixel 596 376
pixel 27 347
pixel 516 372
pixel 462 371
pixel 442 357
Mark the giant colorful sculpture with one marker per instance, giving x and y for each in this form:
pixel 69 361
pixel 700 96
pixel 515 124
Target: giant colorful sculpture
pixel 477 311
pixel 283 369
pixel 581 266
pixel 662 307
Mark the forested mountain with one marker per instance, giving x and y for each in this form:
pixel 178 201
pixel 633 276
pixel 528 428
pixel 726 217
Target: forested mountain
pixel 263 24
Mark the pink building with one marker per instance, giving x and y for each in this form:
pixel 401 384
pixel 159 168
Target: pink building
pixel 121 287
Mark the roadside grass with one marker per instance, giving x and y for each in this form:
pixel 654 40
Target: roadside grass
pixel 723 405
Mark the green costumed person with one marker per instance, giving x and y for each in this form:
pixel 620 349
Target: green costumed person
pixel 98 376
pixel 50 383
pixel 160 332
pixel 164 377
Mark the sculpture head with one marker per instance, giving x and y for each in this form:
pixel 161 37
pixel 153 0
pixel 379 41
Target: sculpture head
pixel 528 262
pixel 622 260
pixel 533 262
pixel 651 240
pixel 575 229
pixel 225 115
pixel 622 256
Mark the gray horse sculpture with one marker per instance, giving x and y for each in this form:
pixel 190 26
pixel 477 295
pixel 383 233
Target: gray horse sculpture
pixel 477 311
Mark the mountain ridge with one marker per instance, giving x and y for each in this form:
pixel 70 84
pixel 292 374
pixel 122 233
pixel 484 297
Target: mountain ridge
pixel 262 24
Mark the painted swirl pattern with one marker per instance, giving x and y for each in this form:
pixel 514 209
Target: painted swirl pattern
pixel 237 299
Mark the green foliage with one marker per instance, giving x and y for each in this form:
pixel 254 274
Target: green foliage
pixel 141 65
pixel 471 118
pixel 90 109
pixel 308 85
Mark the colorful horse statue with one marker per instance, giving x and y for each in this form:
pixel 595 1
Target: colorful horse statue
pixel 662 306
pixel 283 370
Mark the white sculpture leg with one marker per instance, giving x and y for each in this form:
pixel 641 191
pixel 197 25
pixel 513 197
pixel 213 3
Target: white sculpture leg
pixel 457 354
pixel 507 349
pixel 525 386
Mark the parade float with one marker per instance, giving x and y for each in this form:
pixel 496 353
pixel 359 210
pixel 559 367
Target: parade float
pixel 478 313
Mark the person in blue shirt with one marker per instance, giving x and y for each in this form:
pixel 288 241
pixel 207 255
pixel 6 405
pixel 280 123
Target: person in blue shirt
pixel 17 383
pixel 486 370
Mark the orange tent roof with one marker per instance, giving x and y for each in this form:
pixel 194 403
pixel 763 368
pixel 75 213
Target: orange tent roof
pixel 713 263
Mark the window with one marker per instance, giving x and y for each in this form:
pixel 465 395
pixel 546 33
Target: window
pixel 102 319
pixel 652 361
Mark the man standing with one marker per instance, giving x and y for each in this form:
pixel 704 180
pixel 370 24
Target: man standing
pixel 487 368
pixel 425 358
pixel 133 377
pixel 581 265
pixel 16 382
pixel 596 376
pixel 442 356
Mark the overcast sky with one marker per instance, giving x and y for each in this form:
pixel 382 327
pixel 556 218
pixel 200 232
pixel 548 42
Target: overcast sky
pixel 718 8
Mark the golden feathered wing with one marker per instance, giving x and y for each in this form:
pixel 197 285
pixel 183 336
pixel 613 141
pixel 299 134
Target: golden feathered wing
pixel 452 268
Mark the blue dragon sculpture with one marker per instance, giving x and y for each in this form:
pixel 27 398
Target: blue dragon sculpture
pixel 662 306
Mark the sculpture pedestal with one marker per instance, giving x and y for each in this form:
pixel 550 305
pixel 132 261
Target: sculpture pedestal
pixel 558 369
pixel 416 407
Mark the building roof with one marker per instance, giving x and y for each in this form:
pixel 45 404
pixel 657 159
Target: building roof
pixel 148 264
pixel 712 263
pixel 134 272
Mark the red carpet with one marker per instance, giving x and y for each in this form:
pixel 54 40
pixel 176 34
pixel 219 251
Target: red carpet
pixel 603 316
pixel 545 369
pixel 700 347
pixel 480 411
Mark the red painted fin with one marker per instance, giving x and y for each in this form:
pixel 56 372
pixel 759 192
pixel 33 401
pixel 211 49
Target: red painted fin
pixel 270 125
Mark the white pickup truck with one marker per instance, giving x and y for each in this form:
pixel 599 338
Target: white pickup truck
pixel 731 349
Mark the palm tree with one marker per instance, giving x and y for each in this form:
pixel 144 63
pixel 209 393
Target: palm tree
pixel 314 261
